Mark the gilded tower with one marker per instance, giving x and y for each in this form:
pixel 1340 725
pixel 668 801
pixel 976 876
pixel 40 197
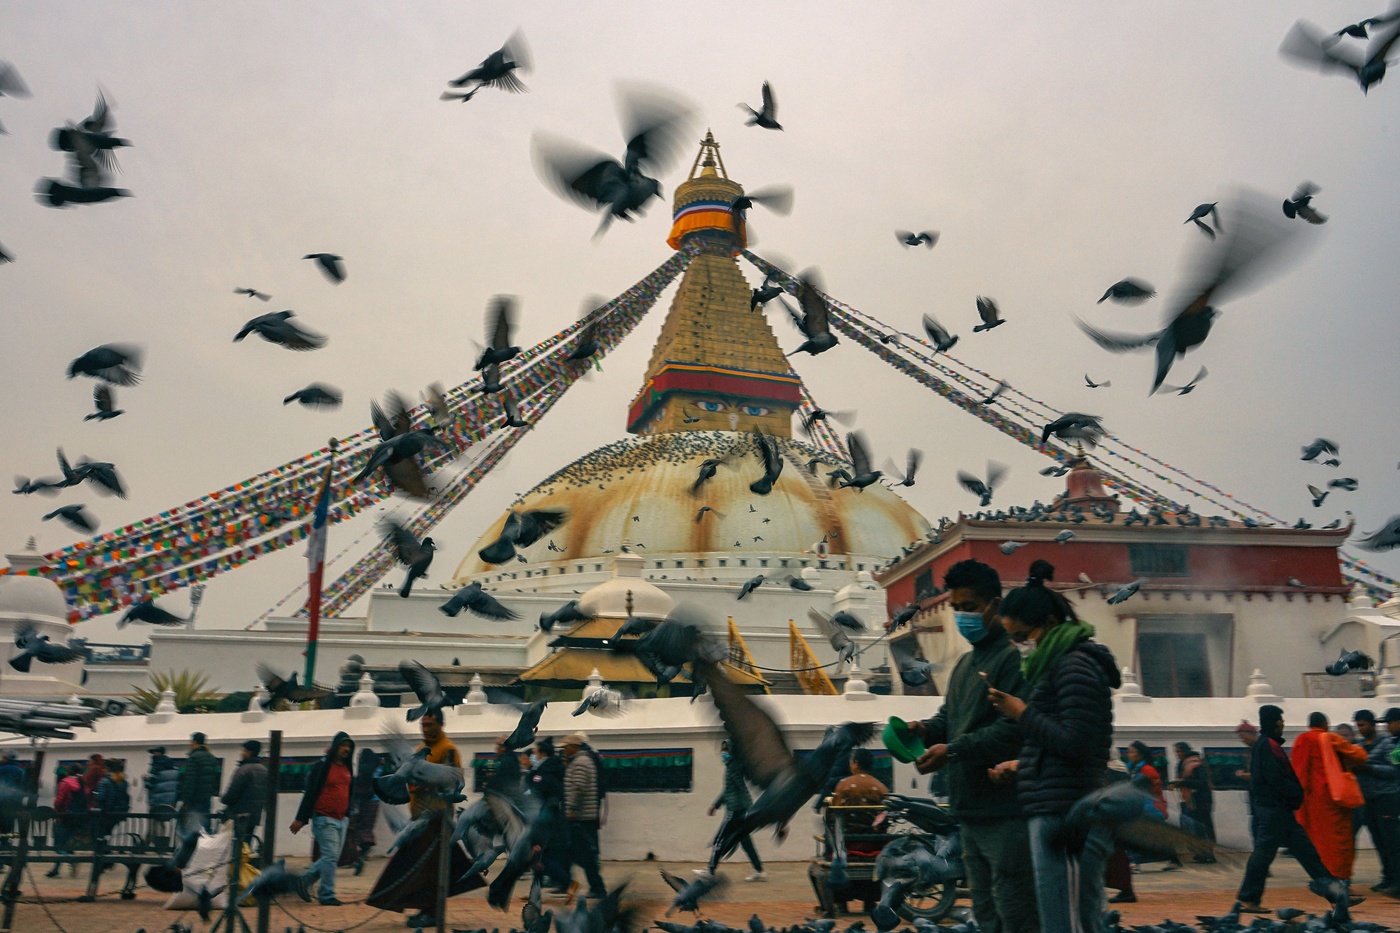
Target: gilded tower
pixel 717 365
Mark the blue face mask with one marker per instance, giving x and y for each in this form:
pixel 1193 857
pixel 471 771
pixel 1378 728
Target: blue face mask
pixel 724 756
pixel 971 625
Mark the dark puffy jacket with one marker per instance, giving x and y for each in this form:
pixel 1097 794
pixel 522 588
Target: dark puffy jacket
pixel 162 782
pixel 199 781
pixel 247 791
pixel 1068 730
pixel 547 780
pixel 113 798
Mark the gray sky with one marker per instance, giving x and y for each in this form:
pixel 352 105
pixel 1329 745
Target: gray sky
pixel 1056 149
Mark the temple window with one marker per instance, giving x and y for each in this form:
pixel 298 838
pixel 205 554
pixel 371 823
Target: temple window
pixel 1158 560
pixel 1185 655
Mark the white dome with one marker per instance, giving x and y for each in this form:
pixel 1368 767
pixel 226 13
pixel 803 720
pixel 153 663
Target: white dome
pixel 608 600
pixel 26 597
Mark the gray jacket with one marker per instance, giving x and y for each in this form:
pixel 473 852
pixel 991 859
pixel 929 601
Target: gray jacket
pixel 1379 778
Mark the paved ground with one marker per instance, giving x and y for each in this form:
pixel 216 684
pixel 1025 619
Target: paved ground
pixel 786 898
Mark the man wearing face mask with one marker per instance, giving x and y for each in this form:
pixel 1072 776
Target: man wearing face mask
pixel 968 737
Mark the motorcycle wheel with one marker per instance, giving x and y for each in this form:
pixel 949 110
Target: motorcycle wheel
pixel 932 903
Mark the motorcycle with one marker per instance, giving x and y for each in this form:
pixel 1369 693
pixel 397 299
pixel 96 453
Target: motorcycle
pixel 920 872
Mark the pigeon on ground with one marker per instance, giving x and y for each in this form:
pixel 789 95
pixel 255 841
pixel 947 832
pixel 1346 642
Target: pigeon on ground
pixel 75 517
pixel 1189 387
pixel 409 551
pixel 689 892
pixel 477 601
pixel 1126 592
pixel 814 320
pixel 253 293
pixel 498 70
pixel 862 473
pixel 330 265
pixel 1300 205
pixel 1075 426
pixel 926 238
pixel 996 472
pixel 104 404
pixel 35 647
pixel 280 688
pixel 1320 446
pixel 1349 661
pixel 278 328
pixel 767 115
pixel 1385 538
pixel 1307 45
pixel 119 364
pixel 772 459
pixel 521 530
pixel 500 322
pixel 147 611
pixel 990 314
pixel 1256 242
pixel 316 395
pixel 275 880
pixel 938 335
pixel 655 125
pixel 1128 292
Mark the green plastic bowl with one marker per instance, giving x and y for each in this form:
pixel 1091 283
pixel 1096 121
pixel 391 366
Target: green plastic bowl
pixel 904 745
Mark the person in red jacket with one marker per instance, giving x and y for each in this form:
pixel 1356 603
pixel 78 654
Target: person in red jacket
pixel 70 805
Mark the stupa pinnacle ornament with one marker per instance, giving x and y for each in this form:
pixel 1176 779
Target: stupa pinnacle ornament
pixel 717 365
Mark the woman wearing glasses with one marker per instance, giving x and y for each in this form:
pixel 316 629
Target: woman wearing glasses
pixel 1067 728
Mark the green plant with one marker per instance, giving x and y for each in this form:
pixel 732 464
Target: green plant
pixel 190 693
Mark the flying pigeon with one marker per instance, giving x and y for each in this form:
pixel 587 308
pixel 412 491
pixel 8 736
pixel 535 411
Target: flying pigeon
pixel 938 335
pixel 280 688
pixel 1318 495
pixel 1320 446
pixel 500 322
pixel 409 551
pixel 814 321
pixel 521 529
pixel 772 459
pixel 1126 592
pixel 253 293
pixel 330 265
pixel 908 238
pixel 913 670
pixel 316 395
pixel 278 328
pixel 119 364
pixel 498 69
pixel 862 473
pixel 767 115
pixel 426 687
pixel 1188 388
pixel 75 517
pixel 104 404
pixel 1385 538
pixel 990 314
pixel 1128 292
pixel 1309 46
pixel 1300 205
pixel 996 472
pixel 915 457
pixel 569 612
pixel 1096 385
pixel 147 611
pixel 1075 426
pixel 1011 547
pixel 35 647
pixel 477 601
pixel 1345 483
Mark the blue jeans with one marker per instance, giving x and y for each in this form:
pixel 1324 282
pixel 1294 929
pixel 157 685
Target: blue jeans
pixel 330 836
pixel 1069 887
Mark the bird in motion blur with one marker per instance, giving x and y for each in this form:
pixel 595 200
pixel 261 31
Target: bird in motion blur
pixel 521 529
pixel 408 549
pixel 654 123
pixel 1300 205
pixel 329 265
pixel 91 147
pixel 497 70
pixel 75 517
pixel 1199 215
pixel 767 115
pixel 477 601
pixel 146 610
pixel 500 323
pixel 1385 538
pixel 316 395
pixel 35 647
pixel 814 320
pixel 925 238
pixel 1128 292
pixel 938 334
pixel 1189 387
pixel 286 689
pixel 1309 46
pixel 1075 426
pixel 119 364
pixel 983 488
pixel 1257 241
pixel 862 473
pixel 103 403
pixel 278 328
pixel 990 314
pixel 1318 447
pixel 253 293
pixel 401 443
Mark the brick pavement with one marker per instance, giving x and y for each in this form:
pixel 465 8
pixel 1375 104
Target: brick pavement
pixel 786 898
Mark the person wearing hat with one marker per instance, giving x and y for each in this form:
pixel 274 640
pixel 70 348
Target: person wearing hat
pixel 582 812
pixel 247 789
pixel 1276 793
pixel 1380 785
pixel 969 736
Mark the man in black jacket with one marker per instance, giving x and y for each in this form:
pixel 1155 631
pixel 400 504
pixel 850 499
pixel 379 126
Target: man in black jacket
pixel 1274 792
pixel 968 737
pixel 247 789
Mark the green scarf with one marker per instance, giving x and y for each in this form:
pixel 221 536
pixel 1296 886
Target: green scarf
pixel 1051 646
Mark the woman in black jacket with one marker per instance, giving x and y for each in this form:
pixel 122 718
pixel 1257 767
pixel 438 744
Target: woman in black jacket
pixel 1067 729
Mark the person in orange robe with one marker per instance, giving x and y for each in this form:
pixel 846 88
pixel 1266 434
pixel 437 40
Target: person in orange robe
pixel 1327 824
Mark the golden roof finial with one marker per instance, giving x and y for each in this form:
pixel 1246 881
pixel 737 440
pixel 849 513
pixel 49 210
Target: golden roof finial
pixel 708 158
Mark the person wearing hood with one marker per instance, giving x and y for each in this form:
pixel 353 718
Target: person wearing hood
pixel 1067 734
pixel 1275 793
pixel 967 737
pixel 326 806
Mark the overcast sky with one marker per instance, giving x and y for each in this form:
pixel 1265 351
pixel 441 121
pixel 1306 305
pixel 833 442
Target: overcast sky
pixel 1056 149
